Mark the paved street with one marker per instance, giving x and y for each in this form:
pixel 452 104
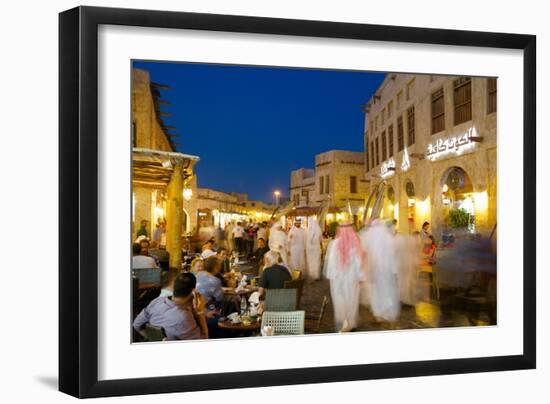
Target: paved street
pixel 454 309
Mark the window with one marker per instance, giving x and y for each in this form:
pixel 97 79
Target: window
pixel 321 185
pixel 410 126
pixel 384 150
pixel 383 116
pixel 372 154
pixel 376 123
pixel 400 143
pixel 438 111
pixel 463 100
pixel 390 141
pixel 377 153
pixel 399 99
pixel 367 159
pixel 390 109
pixel 134 137
pixel 327 182
pixel 491 95
pixel 353 184
pixel 410 89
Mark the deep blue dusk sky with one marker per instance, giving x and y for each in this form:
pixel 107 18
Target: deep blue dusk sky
pixel 251 126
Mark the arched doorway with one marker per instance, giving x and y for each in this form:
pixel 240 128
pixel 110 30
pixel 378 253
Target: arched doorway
pixel 457 195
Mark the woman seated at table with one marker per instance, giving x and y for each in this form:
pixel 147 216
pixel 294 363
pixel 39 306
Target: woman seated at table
pixel 275 274
pixel 196 265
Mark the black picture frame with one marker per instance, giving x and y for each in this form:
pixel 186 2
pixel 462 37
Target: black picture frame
pixel 78 196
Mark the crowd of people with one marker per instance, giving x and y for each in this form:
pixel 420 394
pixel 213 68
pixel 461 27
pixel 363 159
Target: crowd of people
pixel 375 267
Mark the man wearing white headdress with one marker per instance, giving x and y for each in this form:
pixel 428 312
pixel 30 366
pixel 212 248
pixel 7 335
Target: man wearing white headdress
pixel 378 242
pixel 297 247
pixel 313 250
pixel 277 240
pixel 345 268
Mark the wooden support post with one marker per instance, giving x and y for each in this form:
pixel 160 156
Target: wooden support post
pixel 174 217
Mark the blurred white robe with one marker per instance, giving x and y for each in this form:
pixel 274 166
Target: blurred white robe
pixel 344 285
pixel 407 248
pixel 277 241
pixel 297 249
pixel 313 250
pixel 382 292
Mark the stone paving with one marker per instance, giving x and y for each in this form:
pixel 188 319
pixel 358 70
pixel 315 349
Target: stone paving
pixel 448 311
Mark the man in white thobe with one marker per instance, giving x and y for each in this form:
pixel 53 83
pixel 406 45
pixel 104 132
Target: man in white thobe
pixel 382 289
pixel 313 250
pixel 345 269
pixel 277 240
pixel 297 247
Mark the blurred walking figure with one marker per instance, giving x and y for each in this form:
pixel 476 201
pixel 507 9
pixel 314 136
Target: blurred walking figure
pixel 277 241
pixel 313 250
pixel 345 268
pixel 382 292
pixel 406 250
pixel 297 247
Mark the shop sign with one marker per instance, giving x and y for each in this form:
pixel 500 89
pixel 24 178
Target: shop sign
pixel 387 168
pixel 454 145
pixel 405 162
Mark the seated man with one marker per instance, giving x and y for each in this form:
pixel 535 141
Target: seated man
pixel 140 259
pixel 159 254
pixel 225 267
pixel 210 287
pixel 258 256
pixel 181 316
pixel 275 274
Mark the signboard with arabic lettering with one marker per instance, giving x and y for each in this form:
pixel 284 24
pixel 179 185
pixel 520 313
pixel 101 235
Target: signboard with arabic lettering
pixel 453 145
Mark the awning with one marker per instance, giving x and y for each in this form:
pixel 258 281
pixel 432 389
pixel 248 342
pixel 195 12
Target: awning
pixel 155 167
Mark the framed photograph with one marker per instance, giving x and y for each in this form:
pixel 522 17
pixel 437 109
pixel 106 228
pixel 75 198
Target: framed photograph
pixel 251 202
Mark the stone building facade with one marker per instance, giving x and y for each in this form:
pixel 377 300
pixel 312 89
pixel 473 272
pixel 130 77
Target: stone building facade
pixel 219 208
pixel 338 178
pixel 302 187
pixel 162 179
pixel 433 140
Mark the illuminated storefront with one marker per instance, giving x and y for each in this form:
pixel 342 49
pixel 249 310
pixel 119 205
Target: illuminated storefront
pixel 442 169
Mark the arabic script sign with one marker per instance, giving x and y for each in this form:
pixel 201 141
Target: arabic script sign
pixel 453 145
pixel 387 168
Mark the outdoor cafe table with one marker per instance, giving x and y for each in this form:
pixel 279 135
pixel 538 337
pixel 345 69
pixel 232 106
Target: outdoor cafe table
pixel 239 328
pixel 233 291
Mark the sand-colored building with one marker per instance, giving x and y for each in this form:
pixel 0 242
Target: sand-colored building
pixel 432 139
pixel 215 208
pixel 162 179
pixel 337 181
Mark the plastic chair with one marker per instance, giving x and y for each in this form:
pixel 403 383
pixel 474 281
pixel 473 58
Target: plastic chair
pixel 284 322
pixel 316 321
pixel 281 299
pixel 154 333
pixel 151 276
pixel 296 275
pixel 297 284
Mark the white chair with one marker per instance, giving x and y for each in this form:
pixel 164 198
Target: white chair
pixel 284 322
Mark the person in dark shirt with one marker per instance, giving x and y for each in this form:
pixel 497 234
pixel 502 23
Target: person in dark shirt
pixel 258 256
pixel 275 274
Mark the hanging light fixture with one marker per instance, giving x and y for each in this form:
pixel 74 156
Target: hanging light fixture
pixel 187 194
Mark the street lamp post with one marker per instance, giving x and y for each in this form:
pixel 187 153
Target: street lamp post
pixel 277 195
